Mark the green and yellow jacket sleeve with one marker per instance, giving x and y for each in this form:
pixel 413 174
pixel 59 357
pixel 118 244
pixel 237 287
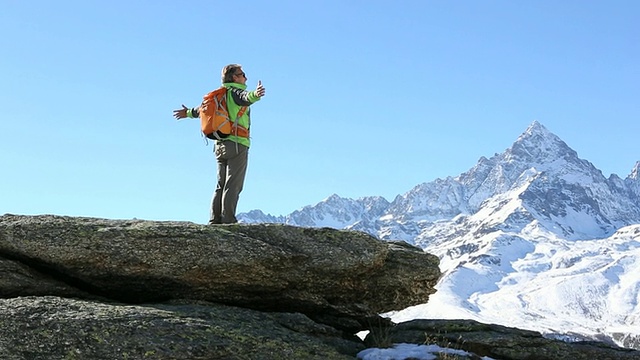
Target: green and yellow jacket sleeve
pixel 193 112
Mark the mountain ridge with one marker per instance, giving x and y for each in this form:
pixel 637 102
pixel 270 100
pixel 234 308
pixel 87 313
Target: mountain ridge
pixel 446 198
pixel 516 218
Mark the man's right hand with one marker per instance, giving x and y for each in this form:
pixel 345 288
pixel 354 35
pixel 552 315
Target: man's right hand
pixel 260 90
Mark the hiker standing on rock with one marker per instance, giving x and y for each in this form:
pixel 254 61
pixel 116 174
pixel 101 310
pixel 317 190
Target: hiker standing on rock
pixel 232 150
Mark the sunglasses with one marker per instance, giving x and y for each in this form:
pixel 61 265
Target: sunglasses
pixel 241 74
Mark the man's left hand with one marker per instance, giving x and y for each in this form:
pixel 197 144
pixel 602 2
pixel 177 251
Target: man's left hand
pixel 180 113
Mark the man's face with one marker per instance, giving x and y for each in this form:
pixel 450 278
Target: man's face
pixel 239 76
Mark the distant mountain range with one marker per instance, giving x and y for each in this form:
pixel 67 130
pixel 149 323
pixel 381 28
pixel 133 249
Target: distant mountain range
pixel 534 237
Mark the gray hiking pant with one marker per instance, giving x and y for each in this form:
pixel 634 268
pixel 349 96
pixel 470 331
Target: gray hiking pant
pixel 232 168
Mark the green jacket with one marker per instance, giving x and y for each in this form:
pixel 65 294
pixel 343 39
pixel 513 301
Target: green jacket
pixel 237 97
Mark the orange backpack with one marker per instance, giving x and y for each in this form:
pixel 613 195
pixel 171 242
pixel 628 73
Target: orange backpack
pixel 214 117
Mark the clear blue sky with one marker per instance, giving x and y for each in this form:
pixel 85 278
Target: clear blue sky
pixel 363 97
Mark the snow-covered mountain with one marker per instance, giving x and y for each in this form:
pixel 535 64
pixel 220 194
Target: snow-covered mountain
pixel 534 237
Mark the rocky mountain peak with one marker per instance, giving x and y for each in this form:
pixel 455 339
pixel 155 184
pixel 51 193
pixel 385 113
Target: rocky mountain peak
pixel 537 145
pixel 537 128
pixel 635 172
pixel 633 182
pixel 536 148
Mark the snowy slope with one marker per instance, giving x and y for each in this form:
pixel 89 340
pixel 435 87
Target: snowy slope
pixel 589 288
pixel 534 237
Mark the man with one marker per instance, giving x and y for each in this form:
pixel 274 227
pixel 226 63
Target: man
pixel 232 152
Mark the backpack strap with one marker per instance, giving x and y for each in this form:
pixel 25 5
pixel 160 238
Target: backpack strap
pixel 241 112
pixel 239 130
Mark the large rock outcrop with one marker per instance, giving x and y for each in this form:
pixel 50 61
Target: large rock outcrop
pixel 83 286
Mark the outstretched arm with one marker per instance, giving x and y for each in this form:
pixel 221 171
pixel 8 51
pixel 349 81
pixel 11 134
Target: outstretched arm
pixel 185 112
pixel 246 98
